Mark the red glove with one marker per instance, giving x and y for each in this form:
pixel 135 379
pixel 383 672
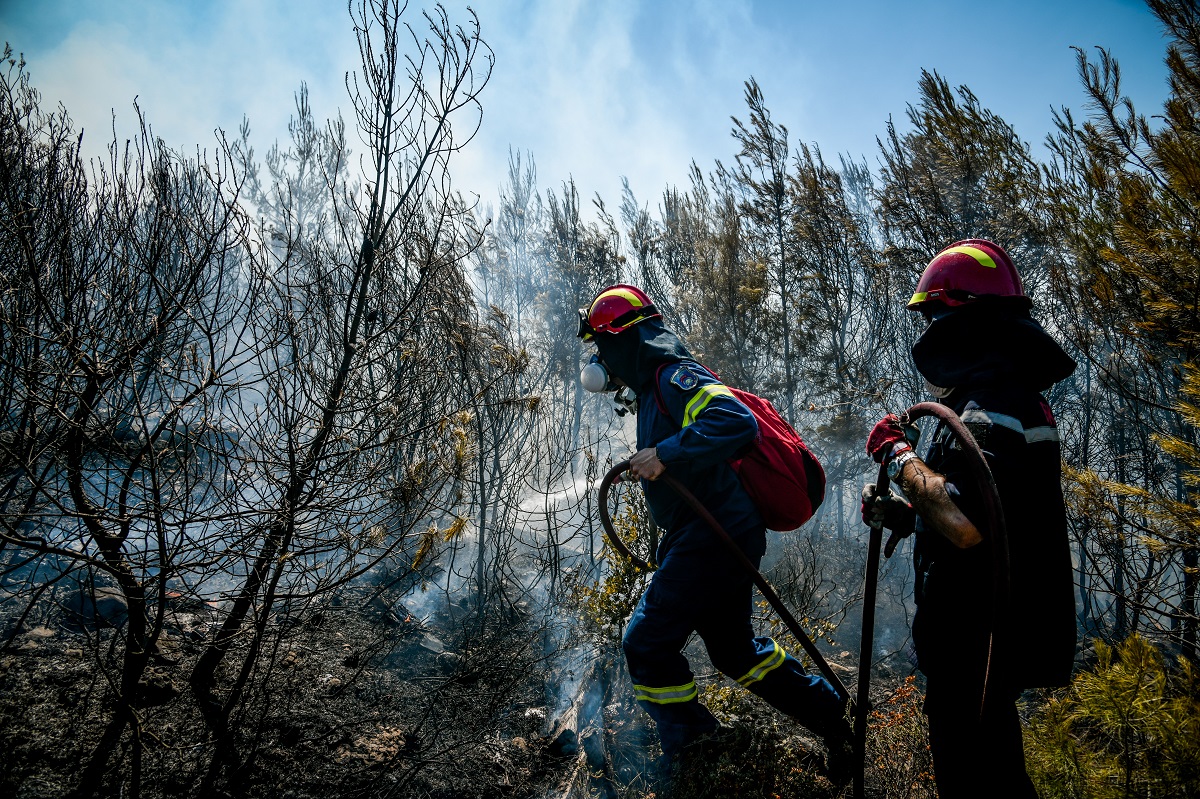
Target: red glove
pixel 888 439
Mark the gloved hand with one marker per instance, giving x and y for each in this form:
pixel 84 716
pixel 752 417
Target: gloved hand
pixel 889 438
pixel 890 510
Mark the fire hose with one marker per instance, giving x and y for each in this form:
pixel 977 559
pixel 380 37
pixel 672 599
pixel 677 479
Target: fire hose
pixel 995 536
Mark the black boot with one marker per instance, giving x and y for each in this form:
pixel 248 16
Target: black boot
pixel 840 763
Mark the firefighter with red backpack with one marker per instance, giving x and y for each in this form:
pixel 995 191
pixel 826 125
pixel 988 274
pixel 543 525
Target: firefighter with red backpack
pixel 995 608
pixel 689 425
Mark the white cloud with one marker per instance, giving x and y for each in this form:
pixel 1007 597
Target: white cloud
pixel 594 90
pixel 604 91
pixel 191 73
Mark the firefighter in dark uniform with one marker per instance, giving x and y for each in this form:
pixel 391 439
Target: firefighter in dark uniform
pixel 988 360
pixel 697 586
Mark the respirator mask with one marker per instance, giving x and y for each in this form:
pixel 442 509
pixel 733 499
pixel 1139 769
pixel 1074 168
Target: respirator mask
pixel 595 379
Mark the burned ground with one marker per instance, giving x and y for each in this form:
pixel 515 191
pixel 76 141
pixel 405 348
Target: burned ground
pixel 360 698
pixel 351 700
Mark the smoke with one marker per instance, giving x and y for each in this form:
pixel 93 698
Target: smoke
pixel 569 496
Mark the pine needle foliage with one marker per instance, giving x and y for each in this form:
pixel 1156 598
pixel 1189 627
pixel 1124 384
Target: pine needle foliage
pixel 1127 197
pixel 960 172
pixel 1129 727
pixel 605 604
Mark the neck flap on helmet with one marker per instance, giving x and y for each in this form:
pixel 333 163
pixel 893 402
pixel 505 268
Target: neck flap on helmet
pixel 635 354
pixel 987 343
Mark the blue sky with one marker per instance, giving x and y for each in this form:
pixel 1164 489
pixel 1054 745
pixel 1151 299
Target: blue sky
pixel 595 90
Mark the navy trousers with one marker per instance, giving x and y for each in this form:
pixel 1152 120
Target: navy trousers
pixel 699 588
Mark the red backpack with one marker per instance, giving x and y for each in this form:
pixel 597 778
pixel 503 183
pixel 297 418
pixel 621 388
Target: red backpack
pixel 779 472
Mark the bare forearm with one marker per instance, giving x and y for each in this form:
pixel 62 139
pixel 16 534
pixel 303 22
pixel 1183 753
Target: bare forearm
pixel 926 490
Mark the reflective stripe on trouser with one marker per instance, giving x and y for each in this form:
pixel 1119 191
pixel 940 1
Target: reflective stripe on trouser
pixel 772 661
pixel 665 696
pixel 700 589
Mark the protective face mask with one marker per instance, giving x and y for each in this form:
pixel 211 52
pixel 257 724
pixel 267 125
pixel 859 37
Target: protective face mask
pixel 938 391
pixel 594 377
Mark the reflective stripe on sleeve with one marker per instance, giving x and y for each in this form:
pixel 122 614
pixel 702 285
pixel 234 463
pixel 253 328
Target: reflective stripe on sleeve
pixel 980 416
pixel 1046 433
pixel 665 696
pixel 1032 436
pixel 768 664
pixel 698 403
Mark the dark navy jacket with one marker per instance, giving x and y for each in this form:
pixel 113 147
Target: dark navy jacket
pixel 705 425
pixel 1035 638
pixel 999 361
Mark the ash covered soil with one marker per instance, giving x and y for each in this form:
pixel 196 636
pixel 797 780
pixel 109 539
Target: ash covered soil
pixel 359 698
pixel 355 698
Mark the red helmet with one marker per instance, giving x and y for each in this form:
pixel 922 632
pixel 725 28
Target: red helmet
pixel 614 310
pixel 966 271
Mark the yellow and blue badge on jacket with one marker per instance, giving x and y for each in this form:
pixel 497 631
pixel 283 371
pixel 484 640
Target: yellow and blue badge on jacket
pixel 684 379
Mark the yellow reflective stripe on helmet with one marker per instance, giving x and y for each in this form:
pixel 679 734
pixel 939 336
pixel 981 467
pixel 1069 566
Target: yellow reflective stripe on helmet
pixel 918 297
pixel 979 255
pixel 665 696
pixel 768 664
pixel 633 299
pixel 698 403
